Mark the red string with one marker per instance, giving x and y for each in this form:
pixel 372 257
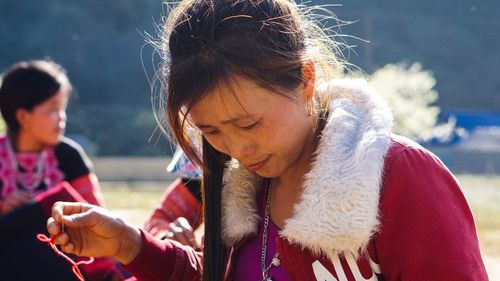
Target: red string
pixel 74 264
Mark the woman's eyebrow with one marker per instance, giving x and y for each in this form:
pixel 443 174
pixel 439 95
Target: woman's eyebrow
pixel 230 120
pixel 237 118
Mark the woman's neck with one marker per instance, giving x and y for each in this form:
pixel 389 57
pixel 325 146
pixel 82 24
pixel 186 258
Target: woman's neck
pixel 286 192
pixel 24 143
pixel 288 187
pixel 293 176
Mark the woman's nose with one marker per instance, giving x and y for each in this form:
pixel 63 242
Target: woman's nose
pixel 240 149
pixel 62 116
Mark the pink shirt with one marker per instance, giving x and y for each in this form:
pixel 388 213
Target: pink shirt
pixel 248 265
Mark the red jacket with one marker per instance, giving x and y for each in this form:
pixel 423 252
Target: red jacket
pixel 178 201
pixel 374 207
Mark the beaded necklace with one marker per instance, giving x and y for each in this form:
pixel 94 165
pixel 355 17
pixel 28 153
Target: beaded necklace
pixel 275 260
pixel 38 173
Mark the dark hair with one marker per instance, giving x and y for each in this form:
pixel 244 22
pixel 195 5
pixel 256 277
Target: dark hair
pixel 205 43
pixel 27 84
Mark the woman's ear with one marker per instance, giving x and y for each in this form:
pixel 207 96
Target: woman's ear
pixel 23 118
pixel 308 80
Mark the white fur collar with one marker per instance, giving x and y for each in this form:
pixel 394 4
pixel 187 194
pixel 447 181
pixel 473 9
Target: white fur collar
pixel 338 210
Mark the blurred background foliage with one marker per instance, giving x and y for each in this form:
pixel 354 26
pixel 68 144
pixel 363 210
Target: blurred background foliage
pixel 102 45
pixel 409 90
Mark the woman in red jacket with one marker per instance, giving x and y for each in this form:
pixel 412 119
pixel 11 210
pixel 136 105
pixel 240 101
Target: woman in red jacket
pixel 303 178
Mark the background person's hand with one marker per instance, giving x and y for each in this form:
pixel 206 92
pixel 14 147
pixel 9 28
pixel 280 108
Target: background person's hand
pixel 157 227
pixel 17 199
pixel 181 231
pixel 88 230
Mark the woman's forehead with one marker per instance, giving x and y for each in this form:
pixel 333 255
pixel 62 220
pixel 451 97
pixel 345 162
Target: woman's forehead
pixel 236 96
pixel 226 108
pixel 59 97
pixel 223 108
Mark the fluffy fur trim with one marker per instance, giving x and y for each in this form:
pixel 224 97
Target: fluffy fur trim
pixel 338 209
pixel 239 204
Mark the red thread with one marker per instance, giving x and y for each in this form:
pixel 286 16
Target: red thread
pixel 74 264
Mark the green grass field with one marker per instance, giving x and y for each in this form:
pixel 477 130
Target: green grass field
pixel 134 201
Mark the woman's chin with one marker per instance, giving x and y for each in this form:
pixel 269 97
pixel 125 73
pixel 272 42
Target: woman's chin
pixel 54 141
pixel 265 173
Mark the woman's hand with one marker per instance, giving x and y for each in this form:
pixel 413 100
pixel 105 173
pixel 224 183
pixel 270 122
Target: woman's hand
pixel 17 199
pixel 88 230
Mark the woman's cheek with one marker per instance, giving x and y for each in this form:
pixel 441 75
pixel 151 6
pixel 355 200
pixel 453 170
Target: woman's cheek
pixel 216 142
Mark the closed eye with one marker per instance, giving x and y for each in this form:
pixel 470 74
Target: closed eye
pixel 213 132
pixel 250 126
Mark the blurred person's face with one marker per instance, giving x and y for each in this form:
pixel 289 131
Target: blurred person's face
pixel 44 125
pixel 266 132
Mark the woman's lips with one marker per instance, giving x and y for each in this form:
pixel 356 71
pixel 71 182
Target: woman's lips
pixel 258 165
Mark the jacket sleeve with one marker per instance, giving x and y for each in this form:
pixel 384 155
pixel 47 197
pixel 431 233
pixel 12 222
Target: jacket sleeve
pixel 427 230
pixel 88 186
pixel 165 260
pixel 178 201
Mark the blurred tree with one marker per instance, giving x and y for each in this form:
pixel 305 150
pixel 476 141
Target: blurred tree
pixel 119 129
pixel 410 92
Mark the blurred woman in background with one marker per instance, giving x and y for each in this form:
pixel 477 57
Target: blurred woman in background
pixel 39 166
pixel 35 156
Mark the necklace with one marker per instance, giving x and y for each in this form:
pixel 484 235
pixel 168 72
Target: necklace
pixel 38 174
pixel 276 260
